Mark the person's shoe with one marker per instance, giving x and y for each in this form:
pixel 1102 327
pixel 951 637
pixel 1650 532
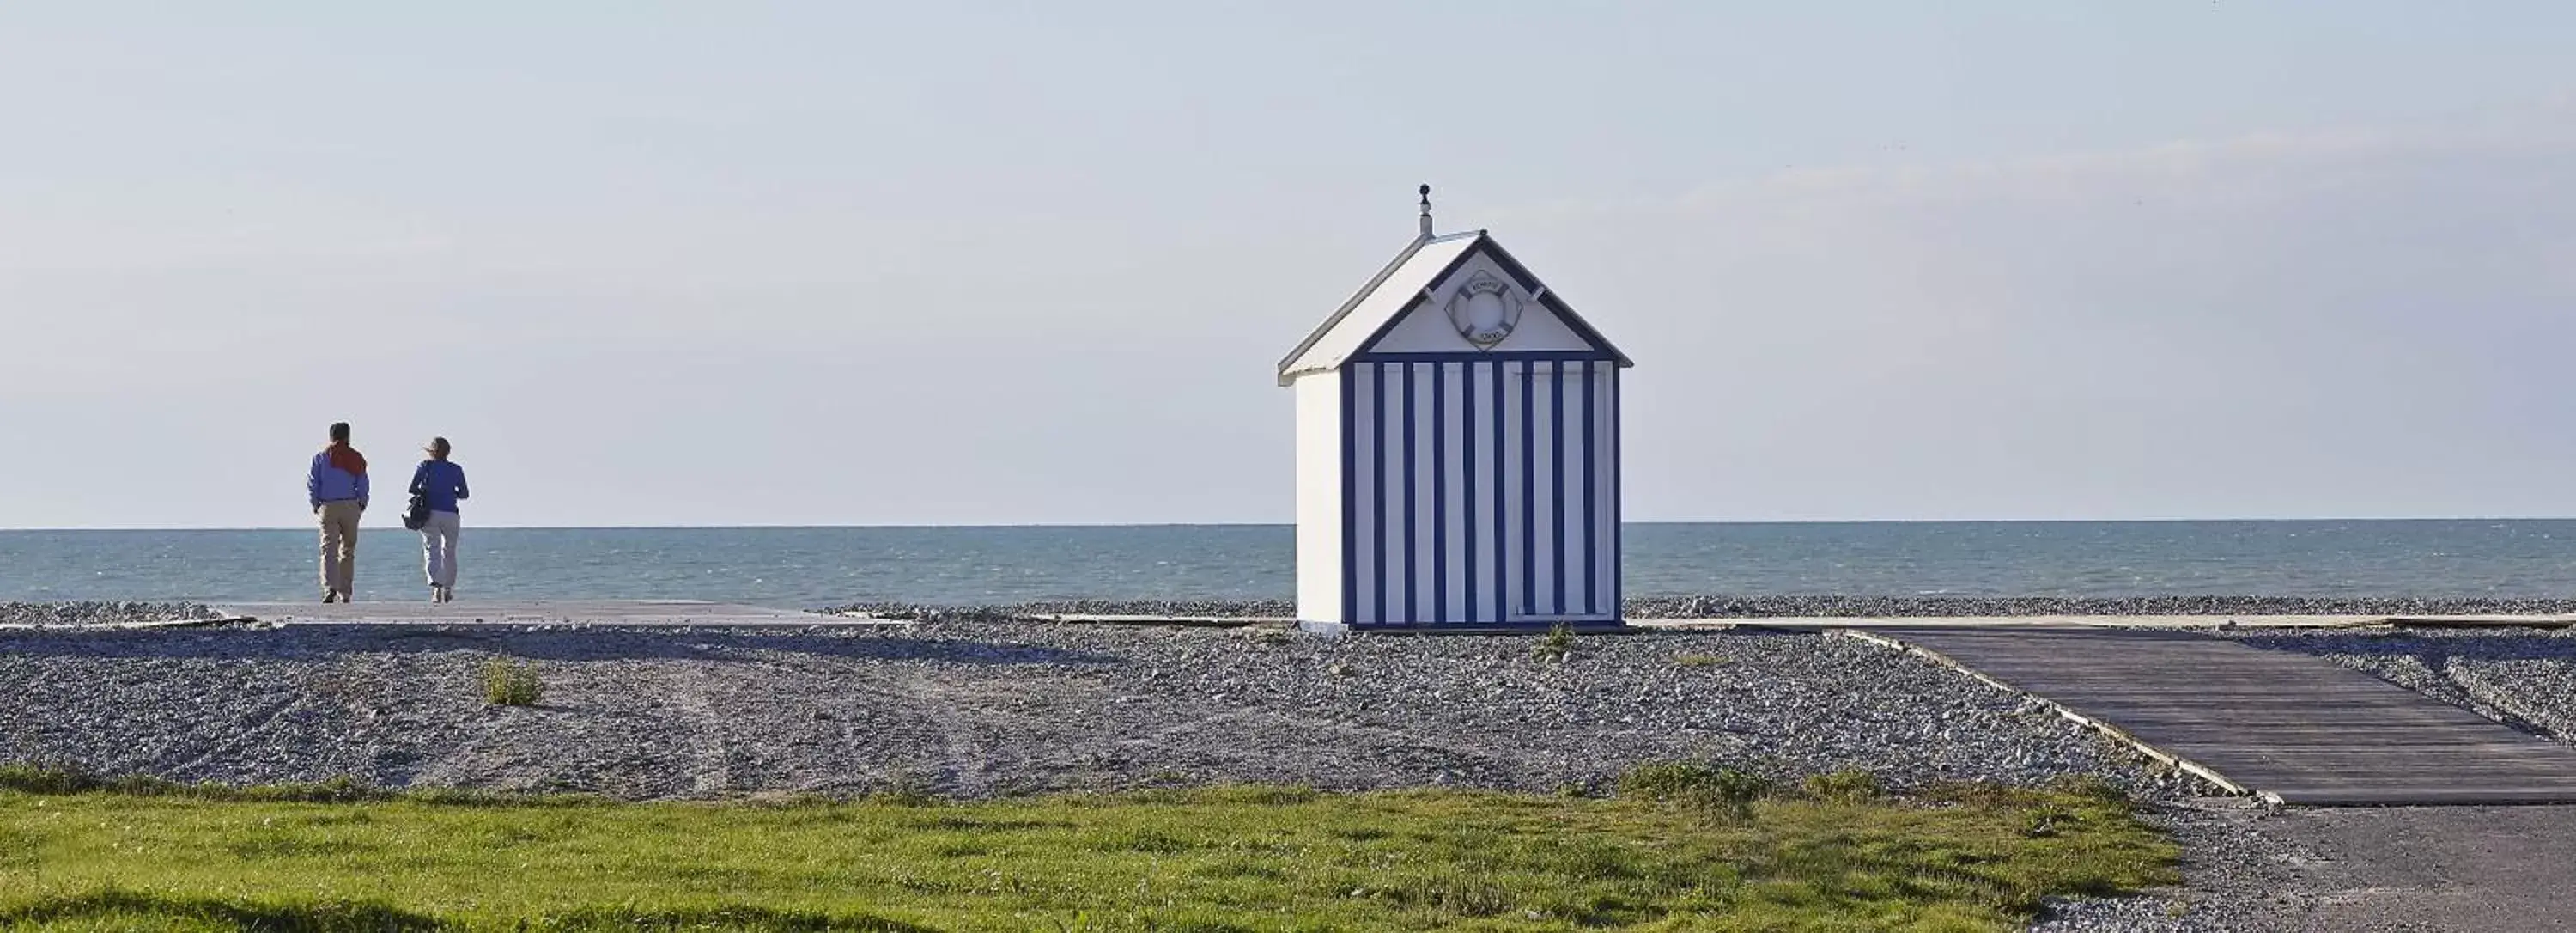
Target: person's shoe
pixel 330 596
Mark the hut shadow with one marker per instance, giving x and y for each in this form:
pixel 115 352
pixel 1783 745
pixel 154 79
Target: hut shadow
pixel 2520 645
pixel 314 643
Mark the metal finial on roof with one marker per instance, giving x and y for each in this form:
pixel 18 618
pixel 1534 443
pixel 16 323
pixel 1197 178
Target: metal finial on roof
pixel 1426 212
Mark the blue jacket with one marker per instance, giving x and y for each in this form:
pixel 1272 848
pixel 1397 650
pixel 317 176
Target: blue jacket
pixel 327 483
pixel 442 482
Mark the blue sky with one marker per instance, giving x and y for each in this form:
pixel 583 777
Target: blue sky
pixel 842 263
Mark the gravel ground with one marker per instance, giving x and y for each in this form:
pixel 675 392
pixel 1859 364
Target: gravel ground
pixel 980 708
pixel 2356 870
pixel 98 613
pixel 2236 878
pixel 2522 677
pixel 1737 607
pixel 976 709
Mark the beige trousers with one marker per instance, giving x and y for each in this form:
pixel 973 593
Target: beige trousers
pixel 339 544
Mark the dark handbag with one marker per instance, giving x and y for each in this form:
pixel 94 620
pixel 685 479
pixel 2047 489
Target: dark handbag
pixel 418 514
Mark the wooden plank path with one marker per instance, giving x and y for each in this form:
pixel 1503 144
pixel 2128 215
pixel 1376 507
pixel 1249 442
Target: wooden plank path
pixel 2288 726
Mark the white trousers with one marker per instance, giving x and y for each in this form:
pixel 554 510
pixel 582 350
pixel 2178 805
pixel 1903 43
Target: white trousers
pixel 438 548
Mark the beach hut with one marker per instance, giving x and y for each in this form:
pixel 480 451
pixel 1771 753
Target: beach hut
pixel 1457 450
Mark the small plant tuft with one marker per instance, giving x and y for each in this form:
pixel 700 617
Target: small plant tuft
pixel 1268 635
pixel 1848 786
pixel 905 789
pixel 1720 790
pixel 1697 660
pixel 2040 825
pixel 512 683
pixel 1554 646
pixel 34 779
pixel 2094 788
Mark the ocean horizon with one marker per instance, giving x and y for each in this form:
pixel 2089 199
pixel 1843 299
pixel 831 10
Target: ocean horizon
pixel 759 526
pixel 812 566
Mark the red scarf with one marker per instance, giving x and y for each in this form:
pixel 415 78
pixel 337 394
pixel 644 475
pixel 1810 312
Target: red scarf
pixel 347 458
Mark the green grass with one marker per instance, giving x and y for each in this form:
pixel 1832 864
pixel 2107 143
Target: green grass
pixel 155 856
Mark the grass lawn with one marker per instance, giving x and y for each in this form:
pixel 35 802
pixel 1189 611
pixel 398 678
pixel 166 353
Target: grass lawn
pixel 1242 858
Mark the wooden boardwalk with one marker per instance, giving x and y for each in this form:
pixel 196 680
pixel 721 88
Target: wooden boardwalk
pixel 2289 726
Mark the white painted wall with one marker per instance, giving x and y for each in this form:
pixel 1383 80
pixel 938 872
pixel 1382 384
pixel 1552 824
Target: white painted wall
pixel 1319 497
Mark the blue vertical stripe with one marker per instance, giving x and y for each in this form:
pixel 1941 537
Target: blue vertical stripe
pixel 1502 572
pixel 1591 517
pixel 1350 499
pixel 1529 490
pixel 1556 476
pixel 1412 481
pixel 1439 492
pixel 1377 485
pixel 1467 474
pixel 1618 526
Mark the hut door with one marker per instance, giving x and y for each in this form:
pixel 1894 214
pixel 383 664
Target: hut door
pixel 1558 519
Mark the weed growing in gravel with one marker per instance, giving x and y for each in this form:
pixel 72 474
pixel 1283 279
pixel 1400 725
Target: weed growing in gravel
pixel 512 683
pixel 1556 645
pixel 2089 786
pixel 2041 825
pixel 31 779
pixel 1850 786
pixel 905 789
pixel 1724 791
pixel 1697 660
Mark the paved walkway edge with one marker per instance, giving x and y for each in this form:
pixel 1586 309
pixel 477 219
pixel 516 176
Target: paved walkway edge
pixel 2204 772
pixel 130 626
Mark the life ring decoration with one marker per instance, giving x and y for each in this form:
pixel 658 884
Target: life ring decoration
pixel 1485 309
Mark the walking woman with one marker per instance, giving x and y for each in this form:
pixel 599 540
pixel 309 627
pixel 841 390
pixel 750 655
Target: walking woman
pixel 440 484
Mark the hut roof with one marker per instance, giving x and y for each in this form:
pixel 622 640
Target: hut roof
pixel 1403 285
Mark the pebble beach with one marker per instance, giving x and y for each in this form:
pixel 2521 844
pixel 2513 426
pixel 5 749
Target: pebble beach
pixel 982 701
pixel 986 701
pixel 982 708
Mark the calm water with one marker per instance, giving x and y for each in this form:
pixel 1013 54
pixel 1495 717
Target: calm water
pixel 808 567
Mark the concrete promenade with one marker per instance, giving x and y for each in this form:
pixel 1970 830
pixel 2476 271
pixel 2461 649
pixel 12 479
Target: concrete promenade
pixel 601 612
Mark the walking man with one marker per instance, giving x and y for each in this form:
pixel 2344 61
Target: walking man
pixel 337 489
pixel 440 484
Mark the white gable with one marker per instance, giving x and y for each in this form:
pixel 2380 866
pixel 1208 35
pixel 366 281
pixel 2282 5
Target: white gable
pixel 1419 287
pixel 1428 328
pixel 1366 312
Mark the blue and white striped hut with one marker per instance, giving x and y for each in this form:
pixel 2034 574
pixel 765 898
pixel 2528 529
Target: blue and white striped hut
pixel 1457 450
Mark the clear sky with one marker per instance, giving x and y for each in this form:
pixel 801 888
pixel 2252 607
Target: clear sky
pixel 928 263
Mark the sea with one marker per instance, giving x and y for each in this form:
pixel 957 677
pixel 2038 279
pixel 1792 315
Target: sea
pixel 815 567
